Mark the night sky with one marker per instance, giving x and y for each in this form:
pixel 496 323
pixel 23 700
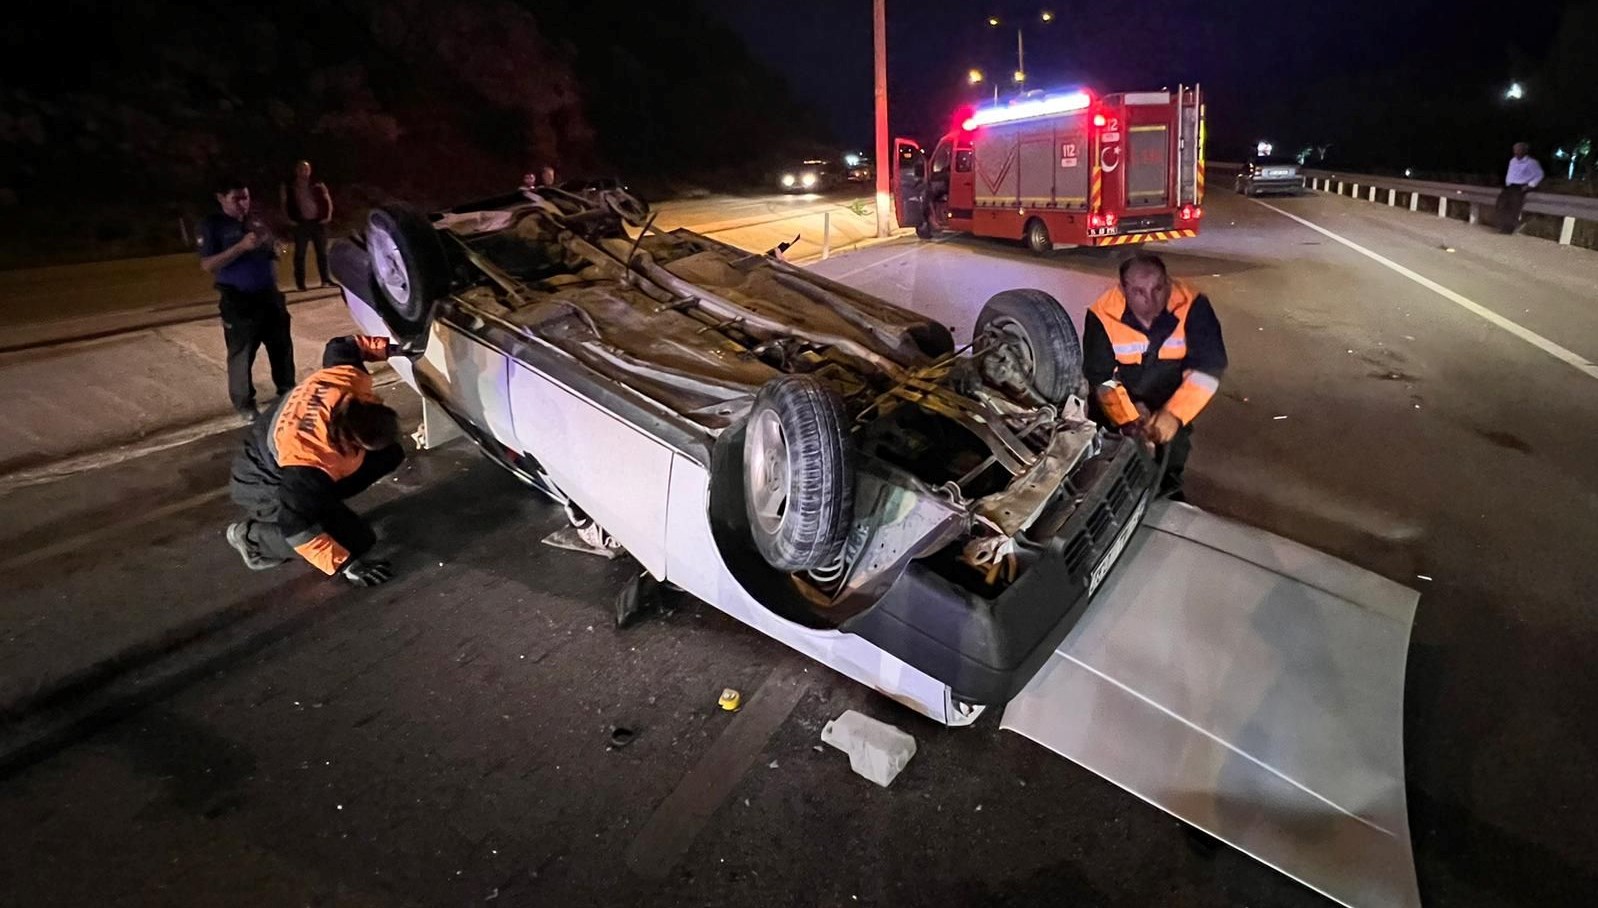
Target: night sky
pixel 1386 83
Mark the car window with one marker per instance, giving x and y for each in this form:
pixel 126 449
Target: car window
pixel 962 161
pixel 940 159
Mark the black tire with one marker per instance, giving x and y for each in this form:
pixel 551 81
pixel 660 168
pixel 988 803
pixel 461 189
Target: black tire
pixel 1037 237
pixel 1052 352
pixel 799 482
pixel 409 267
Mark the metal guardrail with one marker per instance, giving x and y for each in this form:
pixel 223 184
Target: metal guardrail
pixel 1569 208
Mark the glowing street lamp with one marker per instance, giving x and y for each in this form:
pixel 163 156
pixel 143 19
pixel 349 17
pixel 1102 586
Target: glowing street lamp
pixel 973 77
pixel 1019 77
pixel 993 21
pixel 1047 16
pixel 1515 92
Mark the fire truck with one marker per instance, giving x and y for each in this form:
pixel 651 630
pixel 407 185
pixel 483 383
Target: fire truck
pixel 1061 169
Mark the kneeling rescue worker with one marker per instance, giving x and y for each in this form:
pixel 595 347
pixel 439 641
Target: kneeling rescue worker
pixel 325 441
pixel 1152 350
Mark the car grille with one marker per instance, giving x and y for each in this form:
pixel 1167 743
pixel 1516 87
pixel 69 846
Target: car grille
pixel 1101 517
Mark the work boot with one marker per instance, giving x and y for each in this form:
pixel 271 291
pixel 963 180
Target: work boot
pixel 248 414
pixel 240 542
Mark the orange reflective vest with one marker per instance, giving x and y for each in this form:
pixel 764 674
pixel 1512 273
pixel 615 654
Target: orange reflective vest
pixel 1175 363
pixel 300 435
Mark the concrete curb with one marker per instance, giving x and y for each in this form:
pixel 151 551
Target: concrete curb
pixel 99 327
pixel 157 440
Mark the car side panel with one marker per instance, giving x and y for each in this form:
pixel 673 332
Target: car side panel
pixel 694 563
pixel 617 474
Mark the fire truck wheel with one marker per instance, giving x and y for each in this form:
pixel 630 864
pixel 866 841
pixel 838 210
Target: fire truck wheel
pixel 1037 237
pixel 1038 344
pixel 798 473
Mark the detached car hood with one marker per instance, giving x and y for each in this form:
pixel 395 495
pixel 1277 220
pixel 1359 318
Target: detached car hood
pixel 1251 687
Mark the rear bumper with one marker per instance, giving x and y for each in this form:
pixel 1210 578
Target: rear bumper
pixel 986 650
pixel 1276 184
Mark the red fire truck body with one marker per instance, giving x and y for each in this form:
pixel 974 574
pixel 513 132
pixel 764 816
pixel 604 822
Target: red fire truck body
pixel 1062 169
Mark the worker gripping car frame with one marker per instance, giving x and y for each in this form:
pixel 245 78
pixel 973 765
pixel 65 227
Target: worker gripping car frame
pixel 1152 350
pixel 325 441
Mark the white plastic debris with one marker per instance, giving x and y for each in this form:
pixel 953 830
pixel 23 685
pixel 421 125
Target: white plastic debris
pixel 877 750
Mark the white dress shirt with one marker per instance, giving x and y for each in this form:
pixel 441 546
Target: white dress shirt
pixel 1525 171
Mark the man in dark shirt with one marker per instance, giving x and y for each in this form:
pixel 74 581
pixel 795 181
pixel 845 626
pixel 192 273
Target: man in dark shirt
pixel 1160 340
pixel 240 253
pixel 309 207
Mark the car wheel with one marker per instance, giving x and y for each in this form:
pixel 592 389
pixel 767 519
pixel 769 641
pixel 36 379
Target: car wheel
pixel 409 267
pixel 798 473
pixel 1037 236
pixel 1036 345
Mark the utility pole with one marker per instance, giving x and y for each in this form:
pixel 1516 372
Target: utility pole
pixel 885 158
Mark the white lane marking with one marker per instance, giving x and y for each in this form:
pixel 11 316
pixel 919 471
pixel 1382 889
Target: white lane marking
pixel 1570 357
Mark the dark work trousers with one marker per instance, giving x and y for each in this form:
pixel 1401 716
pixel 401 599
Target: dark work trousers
pixel 1176 452
pixel 1510 202
pixel 250 319
pixel 312 233
pixel 261 502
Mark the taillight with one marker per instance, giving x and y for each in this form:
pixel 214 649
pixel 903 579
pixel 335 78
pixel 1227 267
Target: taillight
pixel 1191 212
pixel 1109 220
pixel 1098 120
pixel 1095 220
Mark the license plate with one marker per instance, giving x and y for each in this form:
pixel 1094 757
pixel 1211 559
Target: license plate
pixel 1103 569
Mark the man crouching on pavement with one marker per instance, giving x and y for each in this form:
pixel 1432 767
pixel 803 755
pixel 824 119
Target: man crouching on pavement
pixel 325 441
pixel 1159 342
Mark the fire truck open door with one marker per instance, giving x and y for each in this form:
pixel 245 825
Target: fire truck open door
pixel 908 180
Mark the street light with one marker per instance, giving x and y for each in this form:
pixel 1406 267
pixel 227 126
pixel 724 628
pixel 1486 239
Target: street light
pixel 1047 16
pixel 1019 77
pixel 974 77
pixel 1515 92
pixel 993 21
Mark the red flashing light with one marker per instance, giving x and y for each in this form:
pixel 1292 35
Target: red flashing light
pixel 1098 120
pixel 1095 220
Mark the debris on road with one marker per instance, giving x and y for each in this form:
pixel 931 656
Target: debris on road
pixel 1283 416
pixel 1425 577
pixel 621 736
pixel 878 751
pixel 729 699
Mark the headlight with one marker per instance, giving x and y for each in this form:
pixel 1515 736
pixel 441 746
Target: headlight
pixel 808 180
pixel 787 179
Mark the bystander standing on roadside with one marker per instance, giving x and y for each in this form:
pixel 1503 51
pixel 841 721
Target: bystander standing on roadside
pixel 1523 175
pixel 240 253
pixel 309 207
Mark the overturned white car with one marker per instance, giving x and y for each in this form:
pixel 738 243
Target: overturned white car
pixel 942 524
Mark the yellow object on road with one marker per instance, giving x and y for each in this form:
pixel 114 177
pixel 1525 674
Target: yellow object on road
pixel 729 699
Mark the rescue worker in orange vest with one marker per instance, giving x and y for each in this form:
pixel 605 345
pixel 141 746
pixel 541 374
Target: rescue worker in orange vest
pixel 325 441
pixel 1159 341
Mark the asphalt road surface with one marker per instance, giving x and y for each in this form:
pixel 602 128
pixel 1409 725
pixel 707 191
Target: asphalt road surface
pixel 448 739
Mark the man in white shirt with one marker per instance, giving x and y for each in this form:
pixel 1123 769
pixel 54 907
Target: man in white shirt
pixel 1523 176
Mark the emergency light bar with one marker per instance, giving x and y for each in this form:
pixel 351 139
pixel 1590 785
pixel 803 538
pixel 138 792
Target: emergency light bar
pixel 1029 110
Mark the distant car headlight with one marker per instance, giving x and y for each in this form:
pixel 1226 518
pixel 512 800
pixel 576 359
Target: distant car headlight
pixel 787 179
pixel 808 180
